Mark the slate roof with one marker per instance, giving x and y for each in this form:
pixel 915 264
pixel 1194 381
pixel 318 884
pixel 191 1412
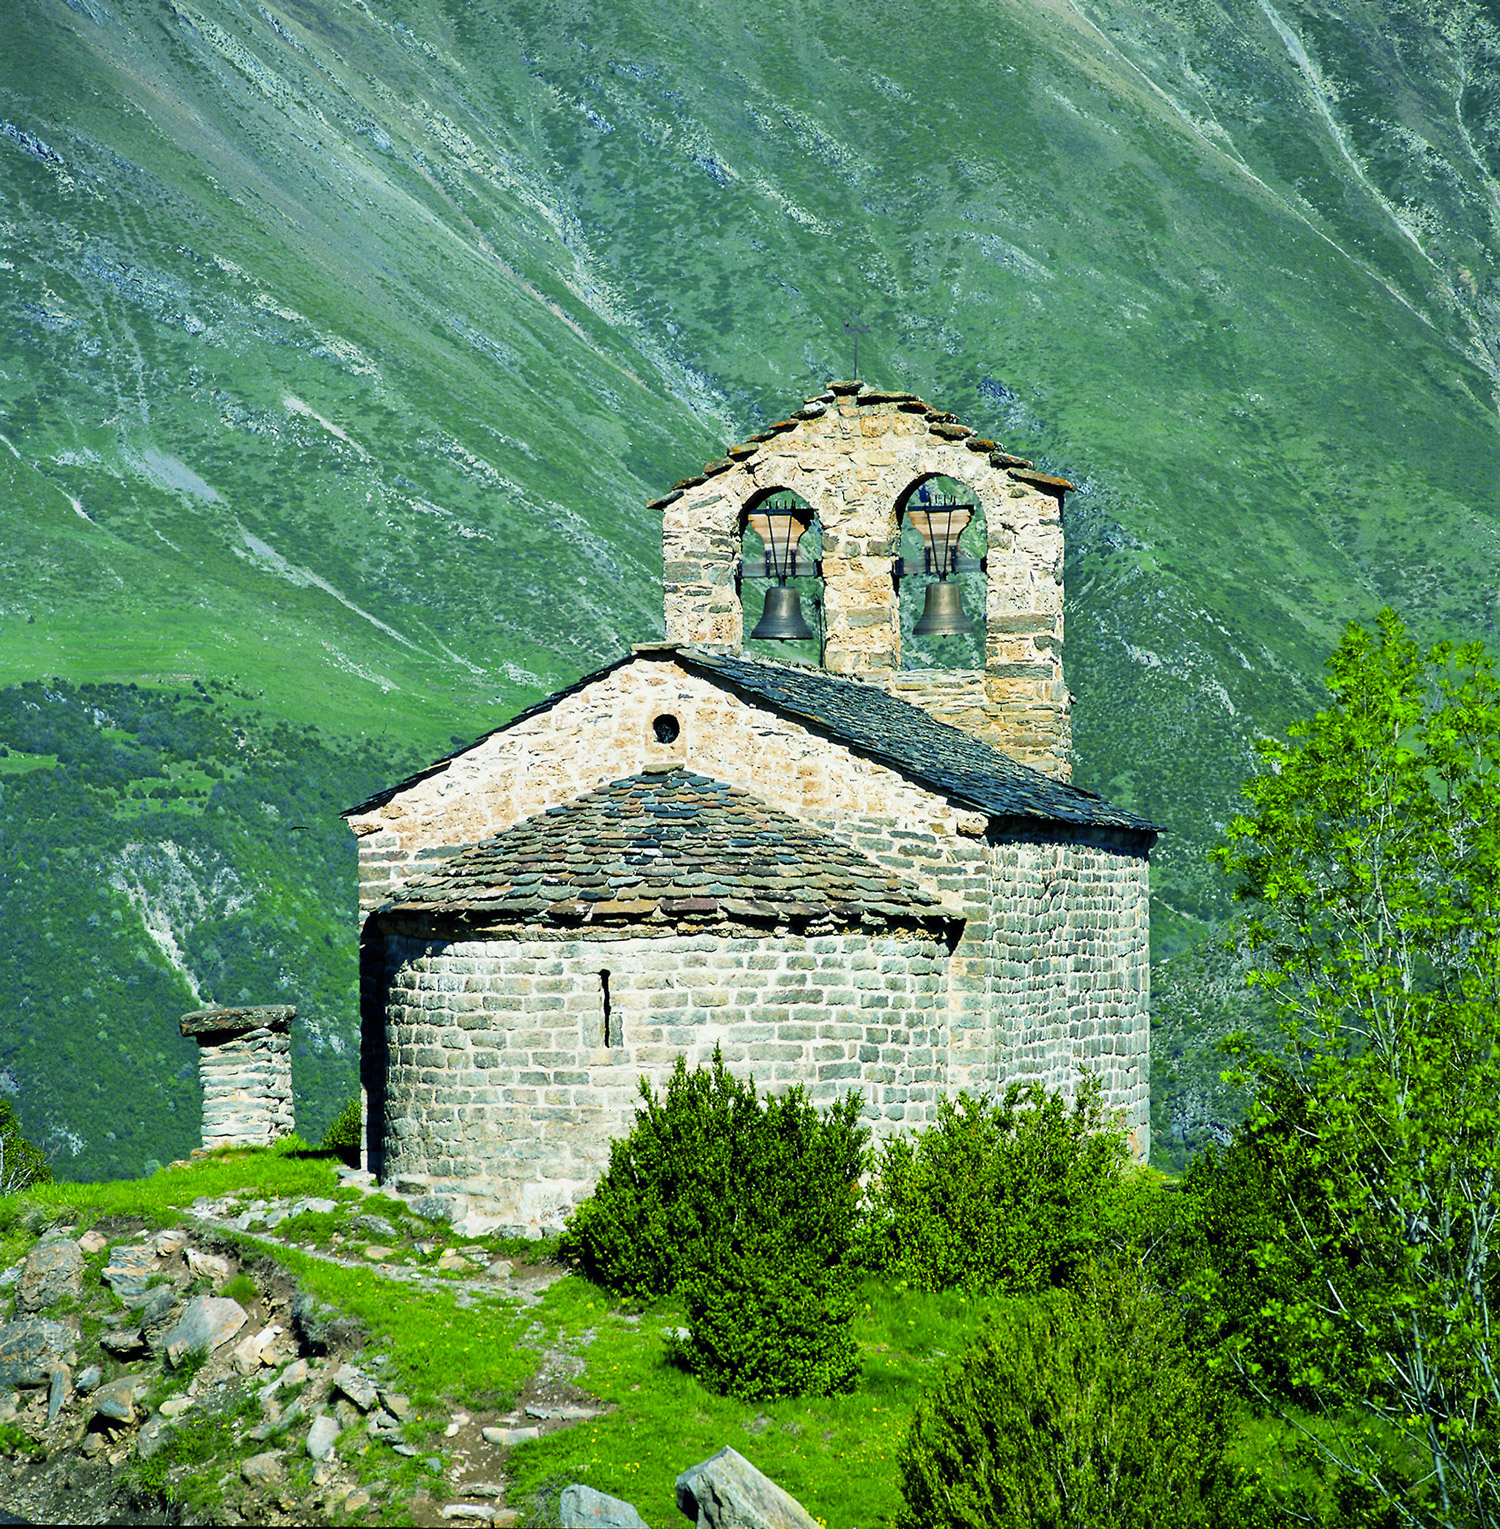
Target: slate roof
pixel 669 844
pixel 865 719
pixel 896 733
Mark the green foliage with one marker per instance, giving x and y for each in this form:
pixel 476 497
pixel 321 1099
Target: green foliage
pixel 747 1206
pixel 1369 860
pixel 771 1318
pixel 710 1162
pixel 343 1135
pixel 1078 1409
pixel 241 1288
pixel 21 1163
pixel 1010 1196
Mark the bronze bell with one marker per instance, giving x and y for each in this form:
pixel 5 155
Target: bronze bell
pixel 782 619
pixel 942 613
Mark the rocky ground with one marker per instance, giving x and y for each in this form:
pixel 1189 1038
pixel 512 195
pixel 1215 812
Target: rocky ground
pixel 178 1373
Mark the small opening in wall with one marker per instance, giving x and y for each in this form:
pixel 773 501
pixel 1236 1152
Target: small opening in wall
pixel 612 1028
pixel 666 728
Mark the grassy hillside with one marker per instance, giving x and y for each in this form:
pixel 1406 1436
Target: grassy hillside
pixel 341 345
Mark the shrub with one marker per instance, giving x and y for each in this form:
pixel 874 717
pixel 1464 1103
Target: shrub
pixel 21 1164
pixel 1014 1196
pixel 770 1319
pixel 343 1136
pixel 707 1168
pixel 1077 1408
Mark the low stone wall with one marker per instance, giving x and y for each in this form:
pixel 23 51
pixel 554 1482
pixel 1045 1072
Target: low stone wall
pixel 512 1061
pixel 245 1062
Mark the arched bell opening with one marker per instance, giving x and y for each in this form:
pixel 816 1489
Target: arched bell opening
pixel 781 585
pixel 941 553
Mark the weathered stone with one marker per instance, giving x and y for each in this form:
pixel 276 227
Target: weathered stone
pixel 264 1471
pixel 321 1437
pixel 156 1433
pixel 209 1266
pixel 356 1385
pixel 125 1343
pixel 582 1507
pixel 59 1392
pixel 159 1315
pixel 92 1242
pixel 115 1400
pixel 89 1379
pixel 130 1270
pixel 507 1437
pixel 53 1270
pixel 10 1403
pixel 208 1322
pixel 727 1492
pixel 254 1350
pixel 244 1060
pixel 32 1348
pixel 175 1406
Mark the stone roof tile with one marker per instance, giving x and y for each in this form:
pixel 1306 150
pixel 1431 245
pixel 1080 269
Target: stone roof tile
pixel 671 842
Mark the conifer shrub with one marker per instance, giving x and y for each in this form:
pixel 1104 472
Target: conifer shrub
pixel 1076 1408
pixel 707 1166
pixel 769 1318
pixel 747 1207
pixel 1011 1196
pixel 22 1164
pixel 343 1135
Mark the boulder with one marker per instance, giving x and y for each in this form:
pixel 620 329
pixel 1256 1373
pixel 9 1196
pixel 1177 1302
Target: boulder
pixel 582 1507
pixel 130 1270
pixel 32 1348
pixel 207 1266
pixel 52 1270
pixel 264 1471
pixel 159 1315
pixel 115 1401
pixel 357 1386
pixel 727 1492
pixel 321 1437
pixel 208 1322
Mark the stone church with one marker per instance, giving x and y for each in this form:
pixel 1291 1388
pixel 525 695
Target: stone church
pixel 845 872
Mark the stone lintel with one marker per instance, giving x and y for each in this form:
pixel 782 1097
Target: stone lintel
pixel 206 1022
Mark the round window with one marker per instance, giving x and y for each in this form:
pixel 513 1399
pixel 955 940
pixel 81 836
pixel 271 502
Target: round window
pixel 666 729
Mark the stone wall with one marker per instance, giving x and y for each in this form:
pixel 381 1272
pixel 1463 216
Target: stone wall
pixel 245 1063
pixel 505 1080
pixel 1071 970
pixel 853 457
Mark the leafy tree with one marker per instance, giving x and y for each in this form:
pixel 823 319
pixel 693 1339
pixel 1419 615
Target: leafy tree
pixel 21 1163
pixel 1369 858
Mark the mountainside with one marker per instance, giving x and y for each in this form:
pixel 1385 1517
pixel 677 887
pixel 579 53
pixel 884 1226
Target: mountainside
pixel 342 343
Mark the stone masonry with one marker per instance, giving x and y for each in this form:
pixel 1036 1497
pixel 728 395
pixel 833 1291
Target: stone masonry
pixel 503 1084
pixel 245 1062
pixel 854 454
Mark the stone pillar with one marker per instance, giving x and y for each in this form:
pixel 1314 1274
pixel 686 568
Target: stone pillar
pixel 245 1061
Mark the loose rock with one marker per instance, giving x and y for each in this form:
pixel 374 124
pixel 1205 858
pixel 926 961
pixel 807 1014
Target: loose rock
pixel 582 1507
pixel 505 1437
pixel 264 1471
pixel 207 1266
pixel 208 1322
pixel 52 1270
pixel 89 1379
pixel 357 1386
pixel 31 1349
pixel 130 1270
pixel 116 1401
pixel 59 1392
pixel 321 1437
pixel 727 1492
pixel 92 1241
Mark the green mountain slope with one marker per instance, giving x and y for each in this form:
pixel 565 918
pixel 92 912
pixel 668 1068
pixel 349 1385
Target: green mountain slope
pixel 341 344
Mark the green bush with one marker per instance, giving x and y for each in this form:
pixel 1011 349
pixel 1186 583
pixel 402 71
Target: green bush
pixel 707 1168
pixel 343 1136
pixel 1014 1196
pixel 771 1319
pixel 1077 1408
pixel 21 1164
